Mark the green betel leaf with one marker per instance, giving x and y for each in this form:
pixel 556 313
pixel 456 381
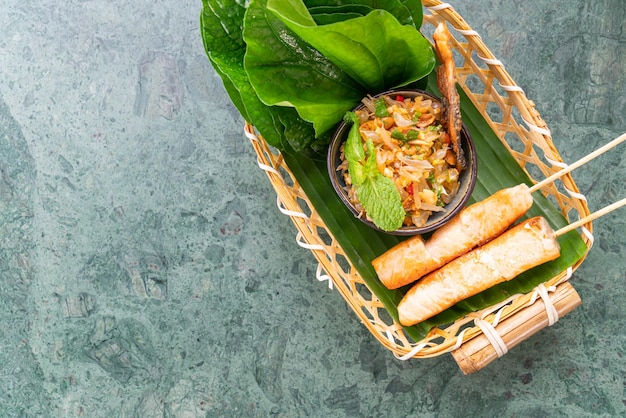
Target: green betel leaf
pixel 223 44
pixel 286 71
pixel 415 9
pixel 380 198
pixel 378 194
pixel 376 50
pixel 353 150
pixel 292 72
pixel 408 12
pixel 222 34
pixel 221 24
pixel 324 15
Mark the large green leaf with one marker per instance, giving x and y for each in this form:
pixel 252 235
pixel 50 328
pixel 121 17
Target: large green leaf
pixel 224 46
pixel 408 12
pixel 497 169
pixel 221 25
pixel 221 34
pixel 222 29
pixel 324 15
pixel 375 50
pixel 287 71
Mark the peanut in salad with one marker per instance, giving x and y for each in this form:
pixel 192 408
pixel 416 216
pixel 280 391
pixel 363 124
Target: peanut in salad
pixel 413 150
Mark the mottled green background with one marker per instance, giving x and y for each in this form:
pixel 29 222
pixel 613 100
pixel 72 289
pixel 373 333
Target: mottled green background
pixel 146 271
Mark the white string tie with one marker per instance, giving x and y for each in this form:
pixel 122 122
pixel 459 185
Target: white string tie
pixel 288 212
pixel 492 335
pixel 589 236
pixel 497 316
pixel 388 332
pixel 576 194
pixel 459 339
pixel 440 7
pixel 535 128
pixel 412 353
pixel 569 273
pixel 266 167
pixel 512 88
pixel 306 245
pixel 466 32
pixel 491 61
pixel 321 277
pixel 250 135
pixel 553 314
pixel 554 162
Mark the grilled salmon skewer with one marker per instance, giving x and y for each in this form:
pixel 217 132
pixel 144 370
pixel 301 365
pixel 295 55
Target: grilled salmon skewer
pixel 476 224
pixel 473 226
pixel 526 245
pixel 529 244
pixel 446 82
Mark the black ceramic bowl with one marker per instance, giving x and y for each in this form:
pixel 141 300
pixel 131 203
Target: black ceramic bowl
pixel 437 219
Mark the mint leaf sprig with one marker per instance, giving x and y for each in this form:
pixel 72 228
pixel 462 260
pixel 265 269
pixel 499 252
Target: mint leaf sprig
pixel 378 194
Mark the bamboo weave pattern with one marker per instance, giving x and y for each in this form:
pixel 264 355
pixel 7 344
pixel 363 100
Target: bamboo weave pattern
pixel 521 129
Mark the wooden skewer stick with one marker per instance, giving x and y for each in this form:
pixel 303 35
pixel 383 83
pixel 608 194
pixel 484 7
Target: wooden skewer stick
pixel 578 163
pixel 591 217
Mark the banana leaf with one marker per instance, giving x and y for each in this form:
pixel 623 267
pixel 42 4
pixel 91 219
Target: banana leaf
pixel 497 169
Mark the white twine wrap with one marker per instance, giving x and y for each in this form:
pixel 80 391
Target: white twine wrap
pixel 512 88
pixel 575 195
pixel 589 235
pixel 413 352
pixel 491 61
pixel 440 7
pixel 542 291
pixel 555 163
pixel 322 277
pixel 535 128
pixel 466 32
pixel 319 275
pixel 492 335
pixel 266 167
pixel 251 136
pixel 306 245
pixel 288 212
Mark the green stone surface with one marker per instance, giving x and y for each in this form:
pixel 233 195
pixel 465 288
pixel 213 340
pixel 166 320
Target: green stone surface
pixel 146 271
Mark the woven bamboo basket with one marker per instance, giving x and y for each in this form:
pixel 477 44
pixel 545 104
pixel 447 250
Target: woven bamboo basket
pixel 480 337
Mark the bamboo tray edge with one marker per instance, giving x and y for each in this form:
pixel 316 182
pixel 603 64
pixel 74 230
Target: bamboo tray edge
pixel 520 120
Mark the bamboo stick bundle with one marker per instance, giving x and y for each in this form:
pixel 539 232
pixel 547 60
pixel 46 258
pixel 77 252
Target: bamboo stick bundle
pixel 496 340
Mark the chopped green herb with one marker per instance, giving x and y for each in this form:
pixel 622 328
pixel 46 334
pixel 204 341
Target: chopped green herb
pixel 378 194
pixel 396 134
pixel 439 201
pixel 411 135
pixel 380 107
pixel 353 149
